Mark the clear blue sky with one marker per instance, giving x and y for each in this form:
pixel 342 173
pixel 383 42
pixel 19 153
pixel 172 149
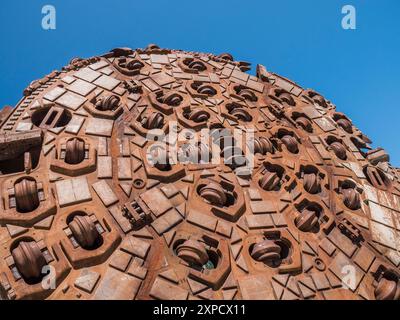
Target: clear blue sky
pixel 303 40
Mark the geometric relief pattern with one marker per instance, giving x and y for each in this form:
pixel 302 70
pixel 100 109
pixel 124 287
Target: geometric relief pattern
pixel 317 217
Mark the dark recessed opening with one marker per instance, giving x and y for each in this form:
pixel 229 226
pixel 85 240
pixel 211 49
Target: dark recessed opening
pixel 40 114
pixel 17 164
pixel 138 183
pixel 331 139
pixel 285 248
pixel 213 260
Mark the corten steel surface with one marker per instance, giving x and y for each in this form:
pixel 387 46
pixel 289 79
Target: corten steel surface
pixel 317 218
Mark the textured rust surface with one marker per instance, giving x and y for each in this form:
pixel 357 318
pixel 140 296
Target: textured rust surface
pixel 318 217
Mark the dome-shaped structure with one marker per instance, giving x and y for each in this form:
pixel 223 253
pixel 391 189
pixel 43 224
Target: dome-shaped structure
pixel 193 179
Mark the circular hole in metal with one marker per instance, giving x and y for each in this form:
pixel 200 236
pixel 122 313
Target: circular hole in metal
pixel 138 183
pixel 319 264
pixel 51 117
pixel 194 64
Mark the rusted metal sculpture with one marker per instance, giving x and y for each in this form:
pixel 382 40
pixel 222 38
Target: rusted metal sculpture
pixel 108 176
